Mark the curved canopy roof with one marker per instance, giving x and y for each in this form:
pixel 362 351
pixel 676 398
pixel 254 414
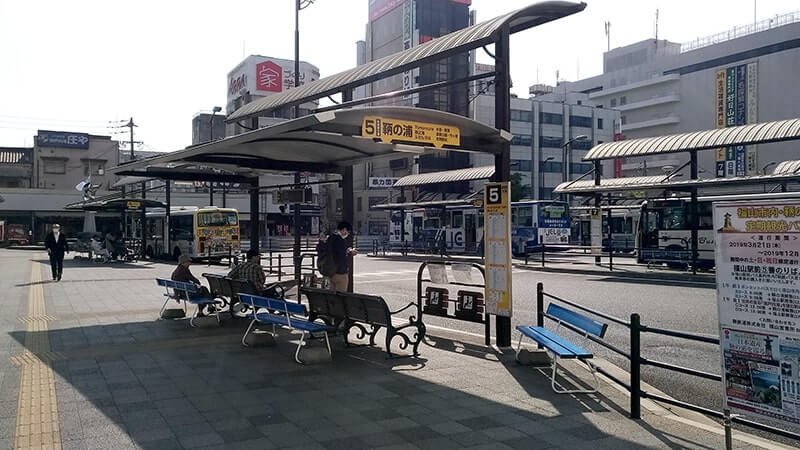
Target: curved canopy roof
pixel 459 41
pixel 321 143
pixel 661 182
pixel 787 167
pixel 119 204
pixel 447 176
pixel 782 130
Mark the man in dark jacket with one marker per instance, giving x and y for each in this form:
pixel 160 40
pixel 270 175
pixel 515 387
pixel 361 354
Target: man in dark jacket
pixel 56 245
pixel 337 245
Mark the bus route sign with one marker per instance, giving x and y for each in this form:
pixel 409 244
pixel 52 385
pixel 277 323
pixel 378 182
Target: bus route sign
pixel 758 300
pixel 394 130
pixel 497 254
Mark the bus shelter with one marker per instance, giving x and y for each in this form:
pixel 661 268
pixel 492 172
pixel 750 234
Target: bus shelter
pixel 593 185
pixel 332 139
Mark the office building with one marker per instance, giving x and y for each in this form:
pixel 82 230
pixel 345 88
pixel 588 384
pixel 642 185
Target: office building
pixel 62 159
pixel 744 75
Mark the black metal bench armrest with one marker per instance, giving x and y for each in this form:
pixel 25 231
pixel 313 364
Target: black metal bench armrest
pixel 404 308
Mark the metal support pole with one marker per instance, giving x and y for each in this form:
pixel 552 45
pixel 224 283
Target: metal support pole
pixel 502 160
pixel 297 52
pixel 598 172
pixel 124 218
pixel 254 215
pixel 143 251
pixel 296 251
pixel 539 307
pixel 167 212
pixel 726 421
pixel 693 212
pixel 610 239
pixel 348 201
pixel 210 193
pixel 636 376
pixel 224 196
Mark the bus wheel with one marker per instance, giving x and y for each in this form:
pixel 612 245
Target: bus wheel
pixel 176 253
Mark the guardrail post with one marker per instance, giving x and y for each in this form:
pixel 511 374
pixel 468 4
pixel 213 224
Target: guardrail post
pixel 636 379
pixel 539 307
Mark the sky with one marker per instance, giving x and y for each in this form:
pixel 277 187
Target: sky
pixel 90 65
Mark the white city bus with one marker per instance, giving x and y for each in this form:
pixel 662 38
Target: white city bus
pixel 207 232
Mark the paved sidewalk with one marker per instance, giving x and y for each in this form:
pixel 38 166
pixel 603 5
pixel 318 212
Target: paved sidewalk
pixel 86 365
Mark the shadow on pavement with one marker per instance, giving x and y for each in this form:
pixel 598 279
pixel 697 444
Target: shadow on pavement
pixel 660 282
pixel 83 263
pixel 161 384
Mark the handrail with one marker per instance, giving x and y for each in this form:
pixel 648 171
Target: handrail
pixel 680 334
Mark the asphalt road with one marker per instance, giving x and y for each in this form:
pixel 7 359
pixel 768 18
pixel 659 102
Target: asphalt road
pixel 678 305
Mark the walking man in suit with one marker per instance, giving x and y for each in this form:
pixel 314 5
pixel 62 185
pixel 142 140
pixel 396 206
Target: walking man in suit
pixel 56 245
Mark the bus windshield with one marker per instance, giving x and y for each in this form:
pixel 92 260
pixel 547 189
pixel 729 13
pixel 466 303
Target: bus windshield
pixel 217 219
pixel 553 211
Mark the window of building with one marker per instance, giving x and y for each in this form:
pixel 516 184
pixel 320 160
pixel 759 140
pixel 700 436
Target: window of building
pixel 550 118
pixel 580 121
pixel 375 201
pixel 580 102
pixel 56 166
pixel 550 141
pixel 546 193
pixel 522 139
pixel 581 145
pixel 359 205
pixel 613 102
pixel 580 168
pixel 519 115
pixel 622 120
pixel 551 167
pixel 93 168
pixel 599 123
pixel 377 228
pixel 623 100
pixel 521 165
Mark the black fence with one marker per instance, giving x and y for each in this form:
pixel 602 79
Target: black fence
pixel 636 329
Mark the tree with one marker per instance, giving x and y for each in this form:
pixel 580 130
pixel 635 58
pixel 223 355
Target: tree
pixel 517 188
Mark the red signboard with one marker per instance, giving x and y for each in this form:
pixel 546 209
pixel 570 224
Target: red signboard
pixel 269 77
pixel 379 8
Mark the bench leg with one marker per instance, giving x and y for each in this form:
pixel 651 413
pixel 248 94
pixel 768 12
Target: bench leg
pixel 328 343
pixel 249 328
pixel 163 307
pixel 299 346
pixel 562 390
pixel 519 347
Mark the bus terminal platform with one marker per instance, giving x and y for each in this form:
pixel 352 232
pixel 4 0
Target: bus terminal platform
pixel 87 365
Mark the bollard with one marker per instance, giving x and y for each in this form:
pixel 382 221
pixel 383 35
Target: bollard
pixel 636 376
pixel 539 307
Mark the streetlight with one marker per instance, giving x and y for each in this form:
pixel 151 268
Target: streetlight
pixel 298 5
pixel 541 175
pixel 566 158
pixel 214 111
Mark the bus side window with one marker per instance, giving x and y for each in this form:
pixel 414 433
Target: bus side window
pixel 458 219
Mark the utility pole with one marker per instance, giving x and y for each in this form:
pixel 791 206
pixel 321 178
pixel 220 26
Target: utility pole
pixel 130 125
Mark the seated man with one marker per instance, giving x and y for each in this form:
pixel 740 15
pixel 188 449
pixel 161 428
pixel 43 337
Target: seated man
pixel 250 270
pixel 182 273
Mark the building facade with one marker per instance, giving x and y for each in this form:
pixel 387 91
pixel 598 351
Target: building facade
pixel 62 159
pixel 260 76
pixel 16 167
pixel 742 76
pixel 394 26
pixel 207 127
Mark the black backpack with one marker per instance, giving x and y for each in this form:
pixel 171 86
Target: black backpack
pixel 326 264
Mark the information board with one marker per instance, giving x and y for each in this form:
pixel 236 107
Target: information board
pixel 394 130
pixel 596 231
pixel 497 231
pixel 758 297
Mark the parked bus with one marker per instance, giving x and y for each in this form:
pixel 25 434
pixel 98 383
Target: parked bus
pixel 624 227
pixel 460 228
pixel 207 232
pixel 665 234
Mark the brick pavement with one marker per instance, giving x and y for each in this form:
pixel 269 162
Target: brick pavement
pixel 89 351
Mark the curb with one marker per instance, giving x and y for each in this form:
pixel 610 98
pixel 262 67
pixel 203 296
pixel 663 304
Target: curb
pixel 710 280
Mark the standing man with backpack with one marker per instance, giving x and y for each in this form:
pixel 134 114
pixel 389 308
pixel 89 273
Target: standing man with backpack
pixel 334 261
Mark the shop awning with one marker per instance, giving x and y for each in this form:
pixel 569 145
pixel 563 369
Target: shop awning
pixel 447 176
pixel 460 41
pixel 759 133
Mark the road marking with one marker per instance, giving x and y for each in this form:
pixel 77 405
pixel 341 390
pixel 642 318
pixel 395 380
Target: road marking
pixel 37 407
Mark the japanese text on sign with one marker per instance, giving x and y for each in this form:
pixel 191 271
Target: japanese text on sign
pixel 382 182
pixel 498 248
pixel 392 130
pixel 758 297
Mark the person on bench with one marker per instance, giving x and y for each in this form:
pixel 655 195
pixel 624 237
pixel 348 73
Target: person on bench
pixel 182 273
pixel 251 271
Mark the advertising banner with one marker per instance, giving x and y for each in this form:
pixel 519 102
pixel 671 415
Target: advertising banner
pixel 409 25
pixel 497 254
pixel 65 139
pixel 758 298
pixel 736 103
pixel 379 8
pixel 752 114
pixel 391 130
pixel 720 99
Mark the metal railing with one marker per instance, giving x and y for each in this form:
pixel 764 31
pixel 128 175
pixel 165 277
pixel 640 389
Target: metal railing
pixel 742 30
pixel 636 329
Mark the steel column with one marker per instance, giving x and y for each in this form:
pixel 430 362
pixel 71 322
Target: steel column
pixel 502 160
pixel 348 201
pixel 693 211
pixel 167 212
pixel 254 215
pixel 296 251
pixel 144 221
pixel 598 173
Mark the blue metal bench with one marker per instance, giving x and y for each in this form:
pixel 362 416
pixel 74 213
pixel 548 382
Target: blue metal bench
pixel 185 292
pixel 282 313
pixel 560 347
